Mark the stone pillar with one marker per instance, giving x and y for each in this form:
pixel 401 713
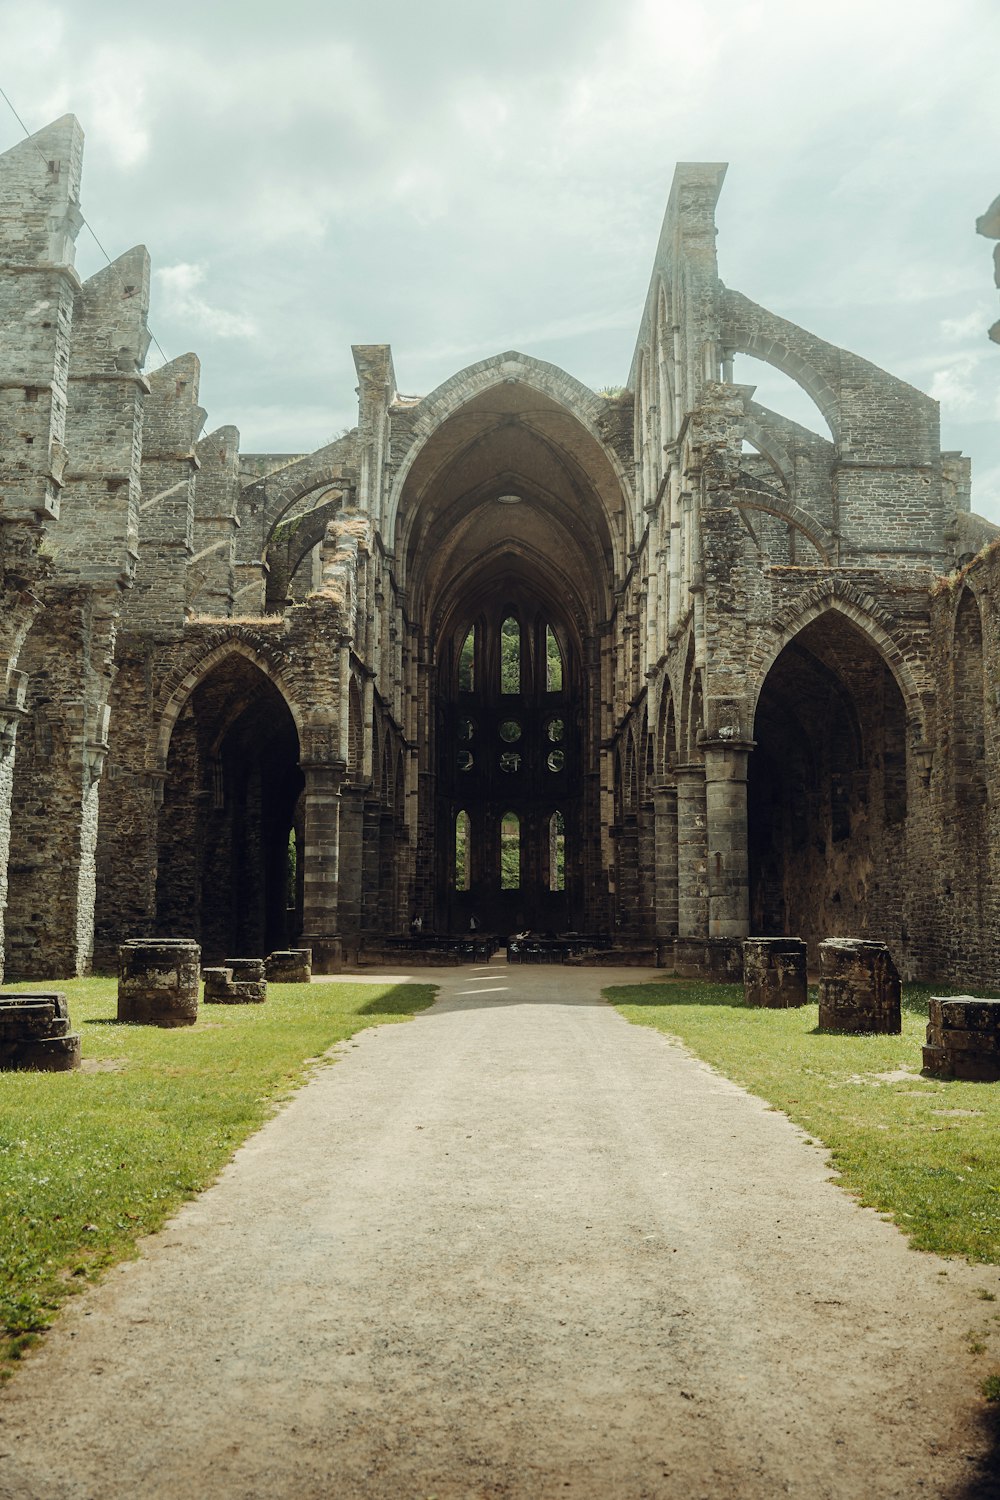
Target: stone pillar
pixel 858 988
pixel 963 1039
pixel 289 966
pixel 665 860
pixel 352 809
pixel 210 579
pixel 726 818
pixel 158 981
pixel 692 885
pixel 35 1035
pixel 321 861
pixel 774 972
pixel 172 420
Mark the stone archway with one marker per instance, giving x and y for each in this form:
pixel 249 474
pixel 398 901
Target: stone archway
pixel 229 828
pixel 509 525
pixel 828 789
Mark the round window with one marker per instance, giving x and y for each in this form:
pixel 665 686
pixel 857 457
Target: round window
pixel 554 729
pixel 465 760
pixel 555 760
pixel 510 761
pixel 466 729
pixel 510 731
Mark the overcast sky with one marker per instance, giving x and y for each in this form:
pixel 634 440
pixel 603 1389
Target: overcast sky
pixel 457 178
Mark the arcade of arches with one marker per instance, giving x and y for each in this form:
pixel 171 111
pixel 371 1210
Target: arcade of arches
pixel 654 665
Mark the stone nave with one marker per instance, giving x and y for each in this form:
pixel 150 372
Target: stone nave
pixel 656 665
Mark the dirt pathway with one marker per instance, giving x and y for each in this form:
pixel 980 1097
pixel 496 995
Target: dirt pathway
pixel 517 1248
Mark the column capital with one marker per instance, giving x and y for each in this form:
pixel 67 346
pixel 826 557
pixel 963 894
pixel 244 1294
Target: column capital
pixel 719 743
pixel 692 770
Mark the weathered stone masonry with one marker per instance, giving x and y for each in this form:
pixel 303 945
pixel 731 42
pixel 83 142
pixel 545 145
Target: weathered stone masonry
pixel 659 665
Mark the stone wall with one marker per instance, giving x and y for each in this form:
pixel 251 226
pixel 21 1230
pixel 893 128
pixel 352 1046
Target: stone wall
pixel 226 693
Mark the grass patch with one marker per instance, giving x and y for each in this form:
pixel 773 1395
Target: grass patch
pixel 92 1160
pixel 924 1152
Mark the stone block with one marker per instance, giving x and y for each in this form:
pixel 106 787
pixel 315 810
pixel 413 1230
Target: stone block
pixel 35 1034
pixel 718 959
pixel 963 1039
pixel 935 1061
pixel 774 972
pixel 158 981
pixel 216 985
pixel 248 985
pixel 859 987
pixel 289 966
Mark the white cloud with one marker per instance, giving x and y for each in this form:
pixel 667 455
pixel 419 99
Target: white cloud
pixel 955 387
pixel 971 325
pixel 182 303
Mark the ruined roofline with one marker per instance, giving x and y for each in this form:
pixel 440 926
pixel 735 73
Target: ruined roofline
pixel 699 181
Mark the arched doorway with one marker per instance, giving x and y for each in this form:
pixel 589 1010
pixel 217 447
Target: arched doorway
pixel 229 871
pixel 512 526
pixel 827 790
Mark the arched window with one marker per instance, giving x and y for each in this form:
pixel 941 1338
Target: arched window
pixel 510 656
pixel 510 852
pixel 557 852
pixel 467 663
pixel 462 851
pixel 553 662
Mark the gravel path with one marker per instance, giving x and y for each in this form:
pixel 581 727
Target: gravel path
pixel 516 1248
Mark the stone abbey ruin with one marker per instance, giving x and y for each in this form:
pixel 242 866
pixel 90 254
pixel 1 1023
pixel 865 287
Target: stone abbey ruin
pixel 660 668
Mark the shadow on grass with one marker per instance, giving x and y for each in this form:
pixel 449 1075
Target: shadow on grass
pixel 728 996
pixel 403 1000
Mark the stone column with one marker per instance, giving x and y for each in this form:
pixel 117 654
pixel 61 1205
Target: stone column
pixel 692 886
pixel 352 806
pixel 665 860
pixel 321 862
pixel 726 817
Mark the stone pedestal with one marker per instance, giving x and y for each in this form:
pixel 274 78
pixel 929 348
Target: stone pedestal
pixel 291 966
pixel 963 1039
pixel 248 985
pixel 858 988
pixel 774 972
pixel 35 1034
pixel 158 981
pixel 217 981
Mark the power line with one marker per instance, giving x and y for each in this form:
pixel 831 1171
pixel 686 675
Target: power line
pixel 89 227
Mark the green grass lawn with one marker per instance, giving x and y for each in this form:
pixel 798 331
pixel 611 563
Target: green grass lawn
pixel 924 1152
pixel 91 1160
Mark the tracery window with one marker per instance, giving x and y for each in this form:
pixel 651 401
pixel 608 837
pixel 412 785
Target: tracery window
pixel 508 752
pixel 462 851
pixel 557 852
pixel 510 852
pixel 510 656
pixel 467 663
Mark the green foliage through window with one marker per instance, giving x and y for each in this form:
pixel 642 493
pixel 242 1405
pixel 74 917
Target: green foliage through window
pixel 466 663
pixel 553 662
pixel 510 852
pixel 557 852
pixel 510 656
pixel 462 852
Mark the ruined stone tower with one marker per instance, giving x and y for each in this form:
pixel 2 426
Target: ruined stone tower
pixel 659 666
